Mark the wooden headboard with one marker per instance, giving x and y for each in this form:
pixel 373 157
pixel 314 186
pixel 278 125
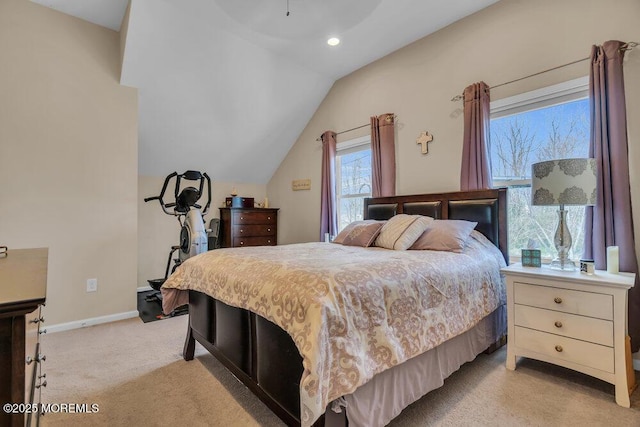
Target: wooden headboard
pixel 486 207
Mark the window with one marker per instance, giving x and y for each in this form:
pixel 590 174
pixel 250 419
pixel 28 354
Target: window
pixel 353 179
pixel 550 123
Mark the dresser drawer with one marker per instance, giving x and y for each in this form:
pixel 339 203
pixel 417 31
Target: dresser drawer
pixel 569 325
pixel 568 349
pixel 255 241
pixel 254 217
pixel 565 300
pixel 254 230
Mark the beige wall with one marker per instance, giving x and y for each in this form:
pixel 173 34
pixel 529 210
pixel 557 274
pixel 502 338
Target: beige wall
pixel 510 39
pixel 68 157
pixel 157 232
pixel 124 30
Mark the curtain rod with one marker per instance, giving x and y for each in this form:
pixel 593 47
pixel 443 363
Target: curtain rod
pixel 345 131
pixel 355 128
pixel 624 47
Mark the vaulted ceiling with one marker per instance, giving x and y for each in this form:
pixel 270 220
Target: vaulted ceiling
pixel 227 86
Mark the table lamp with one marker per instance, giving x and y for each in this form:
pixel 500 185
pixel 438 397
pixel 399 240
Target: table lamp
pixel 563 182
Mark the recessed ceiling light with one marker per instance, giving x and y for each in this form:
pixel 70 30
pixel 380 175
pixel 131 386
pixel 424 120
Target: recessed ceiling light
pixel 333 41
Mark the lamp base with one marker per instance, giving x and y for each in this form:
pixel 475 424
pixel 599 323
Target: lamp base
pixel 567 265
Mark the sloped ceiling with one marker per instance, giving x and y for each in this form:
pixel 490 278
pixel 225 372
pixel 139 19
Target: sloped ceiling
pixel 227 86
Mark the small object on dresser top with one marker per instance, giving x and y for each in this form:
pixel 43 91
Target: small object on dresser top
pixel 239 202
pixel 587 266
pixel 531 258
pixel 613 260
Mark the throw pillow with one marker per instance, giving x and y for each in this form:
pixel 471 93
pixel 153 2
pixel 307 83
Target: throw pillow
pixel 401 231
pixel 445 235
pixel 359 233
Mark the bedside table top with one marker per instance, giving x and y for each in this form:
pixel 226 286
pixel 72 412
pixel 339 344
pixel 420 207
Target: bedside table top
pixel 600 277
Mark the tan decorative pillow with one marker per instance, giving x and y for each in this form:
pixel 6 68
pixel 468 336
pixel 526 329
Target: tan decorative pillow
pixel 359 233
pixel 401 231
pixel 445 235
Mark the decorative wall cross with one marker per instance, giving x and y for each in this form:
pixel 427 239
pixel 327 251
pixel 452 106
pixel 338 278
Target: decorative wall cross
pixel 424 138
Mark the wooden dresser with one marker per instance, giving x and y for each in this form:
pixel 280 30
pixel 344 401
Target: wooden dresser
pixel 248 227
pixel 573 320
pixel 23 289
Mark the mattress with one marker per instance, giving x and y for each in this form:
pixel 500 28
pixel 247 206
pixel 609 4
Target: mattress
pixel 352 312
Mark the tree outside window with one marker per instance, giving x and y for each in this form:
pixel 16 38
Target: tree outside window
pixel 526 137
pixel 353 181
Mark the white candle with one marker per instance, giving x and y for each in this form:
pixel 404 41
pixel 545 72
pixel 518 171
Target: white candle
pixel 613 260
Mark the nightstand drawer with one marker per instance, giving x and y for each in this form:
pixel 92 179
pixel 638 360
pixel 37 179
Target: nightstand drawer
pixel 569 325
pixel 576 302
pixel 254 230
pixel 576 351
pixel 254 217
pixel 254 241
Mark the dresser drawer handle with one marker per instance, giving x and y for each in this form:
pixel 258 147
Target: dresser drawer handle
pixel 558 324
pixel 557 300
pixel 268 241
pixel 268 229
pixel 268 217
pixel 44 384
pixel 242 243
pixel 559 348
pixel 28 360
pixel 241 217
pixel 241 230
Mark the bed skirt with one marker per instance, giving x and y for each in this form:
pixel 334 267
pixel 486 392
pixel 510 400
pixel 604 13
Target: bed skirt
pixel 380 400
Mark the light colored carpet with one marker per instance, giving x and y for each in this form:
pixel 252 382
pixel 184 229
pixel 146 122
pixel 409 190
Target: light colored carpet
pixel 135 372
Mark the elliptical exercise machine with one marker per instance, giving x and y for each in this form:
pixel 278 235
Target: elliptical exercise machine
pixel 193 235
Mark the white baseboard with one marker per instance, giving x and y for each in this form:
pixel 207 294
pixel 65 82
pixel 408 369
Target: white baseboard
pixel 144 288
pixel 92 321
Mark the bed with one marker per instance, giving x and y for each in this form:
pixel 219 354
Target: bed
pixel 327 334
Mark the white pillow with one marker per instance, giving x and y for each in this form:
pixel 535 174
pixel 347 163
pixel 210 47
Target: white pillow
pixel 401 231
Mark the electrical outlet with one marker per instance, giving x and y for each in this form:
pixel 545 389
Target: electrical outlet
pixel 92 285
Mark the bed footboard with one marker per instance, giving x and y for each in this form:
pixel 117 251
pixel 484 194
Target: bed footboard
pixel 259 353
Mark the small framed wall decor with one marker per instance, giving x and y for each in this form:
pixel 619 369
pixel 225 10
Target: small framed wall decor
pixel 531 258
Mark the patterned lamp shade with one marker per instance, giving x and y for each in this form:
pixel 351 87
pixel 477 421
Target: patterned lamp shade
pixel 564 182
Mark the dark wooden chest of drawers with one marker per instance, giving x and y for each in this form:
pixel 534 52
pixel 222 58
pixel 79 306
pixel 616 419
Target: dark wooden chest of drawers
pixel 248 227
pixel 23 289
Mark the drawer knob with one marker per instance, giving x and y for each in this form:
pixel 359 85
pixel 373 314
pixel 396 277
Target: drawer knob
pixel 268 229
pixel 37 320
pixel 242 243
pixel 241 230
pixel 28 360
pixel 241 217
pixel 268 241
pixel 42 376
pixel 559 348
pixel 268 217
pixel 41 358
pixel 557 300
pixel 44 331
pixel 44 384
pixel 558 324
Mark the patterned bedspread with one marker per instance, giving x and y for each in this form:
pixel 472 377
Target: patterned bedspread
pixel 352 312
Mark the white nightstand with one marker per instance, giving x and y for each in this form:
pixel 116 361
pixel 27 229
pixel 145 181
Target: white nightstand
pixel 572 320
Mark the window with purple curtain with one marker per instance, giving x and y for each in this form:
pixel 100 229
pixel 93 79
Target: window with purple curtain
pixel 328 216
pixel 383 156
pixel 610 221
pixel 476 169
